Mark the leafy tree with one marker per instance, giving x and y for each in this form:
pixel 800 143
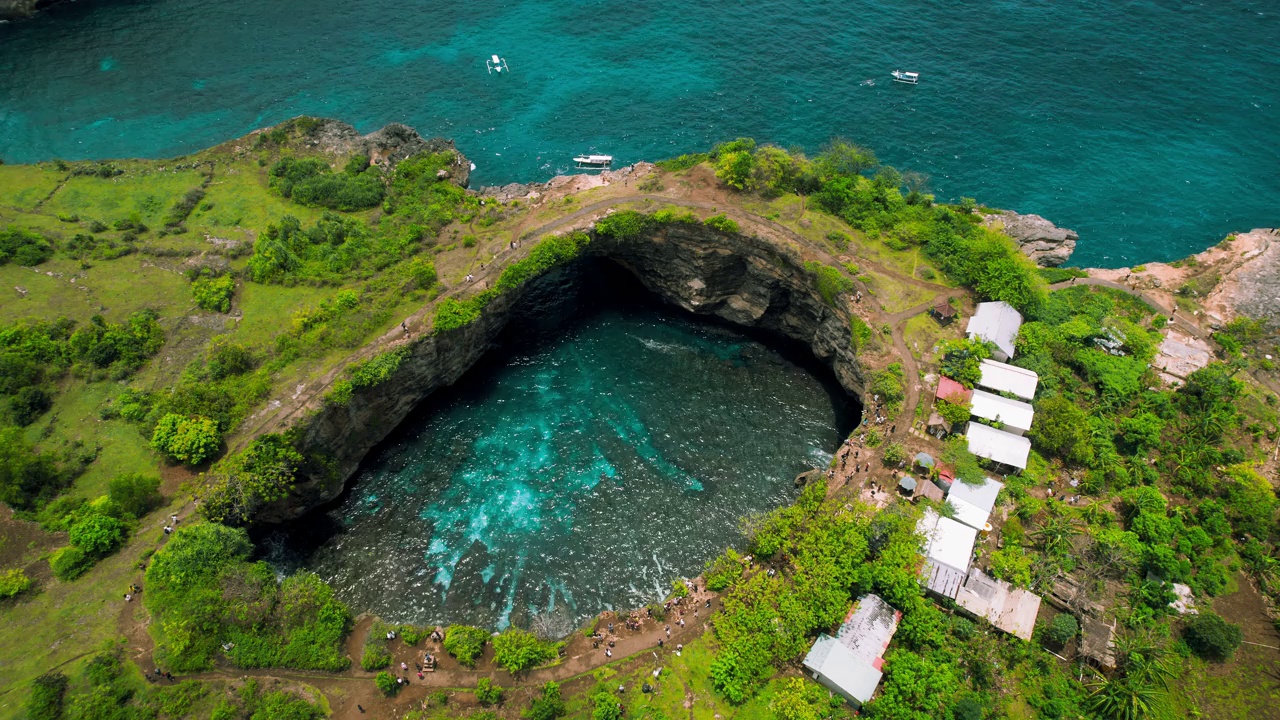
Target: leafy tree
pixel 605 707
pixel 547 706
pixel 47 693
pixel 518 650
pixel 262 473
pixel 98 535
pixel 722 223
pixel 894 453
pixel 1012 564
pixel 214 293
pixel 28 478
pixel 135 493
pixel 962 360
pixel 489 692
pixel 799 699
pixel 915 688
pixel 829 282
pixel 386 682
pixel 23 247
pixel 190 440
pixel 1062 428
pixel 1138 689
pixel 1211 637
pixel 888 384
pixel 1062 629
pixel 842 157
pixel 69 563
pixel 465 643
pixel 962 462
pixel 954 413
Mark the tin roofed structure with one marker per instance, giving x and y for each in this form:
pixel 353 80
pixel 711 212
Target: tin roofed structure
pixel 973 503
pixel 850 663
pixel 999 377
pixel 998 446
pixel 997 323
pixel 1014 415
pixel 1010 609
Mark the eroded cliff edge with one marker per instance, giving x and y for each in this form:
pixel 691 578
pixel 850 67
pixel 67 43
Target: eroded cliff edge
pixel 747 281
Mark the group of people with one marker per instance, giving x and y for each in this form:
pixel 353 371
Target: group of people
pixel 134 589
pixel 173 521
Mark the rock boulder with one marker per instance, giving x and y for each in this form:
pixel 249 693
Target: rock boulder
pixel 1042 241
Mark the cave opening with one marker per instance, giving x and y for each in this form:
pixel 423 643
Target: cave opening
pixel 609 444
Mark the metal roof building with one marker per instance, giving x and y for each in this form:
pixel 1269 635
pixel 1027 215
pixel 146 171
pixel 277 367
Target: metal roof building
pixel 997 323
pixel 946 541
pixel 999 377
pixel 850 663
pixel 1010 609
pixel 1015 415
pixel 973 503
pixel 998 446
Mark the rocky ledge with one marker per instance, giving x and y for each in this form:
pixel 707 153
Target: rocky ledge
pixel 1042 241
pixel 744 280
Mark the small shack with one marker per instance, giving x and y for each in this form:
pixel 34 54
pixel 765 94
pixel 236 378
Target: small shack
pixel 927 489
pixel 1014 415
pixel 937 427
pixel 1010 609
pixel 850 663
pixel 998 446
pixel 943 312
pixel 1097 642
pixel 997 323
pixel 1001 377
pixel 973 503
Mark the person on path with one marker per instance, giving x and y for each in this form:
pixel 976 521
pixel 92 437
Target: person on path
pixel 608 653
pixel 668 631
pixel 360 708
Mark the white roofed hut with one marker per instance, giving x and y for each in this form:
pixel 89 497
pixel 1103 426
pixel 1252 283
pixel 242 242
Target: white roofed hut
pixel 946 541
pixel 1014 415
pixel 973 503
pixel 997 323
pixel 850 663
pixel 998 446
pixel 999 377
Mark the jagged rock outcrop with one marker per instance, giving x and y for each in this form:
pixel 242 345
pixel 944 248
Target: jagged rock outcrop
pixel 14 9
pixel 1042 241
pixel 744 280
pixel 385 147
pixel 1250 283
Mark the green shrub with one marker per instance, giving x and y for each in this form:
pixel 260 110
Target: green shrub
pixel 1062 629
pixel 190 440
pixel 386 682
pixel 623 224
pixel 829 281
pixel 452 314
pixel 518 650
pixel 69 563
pixel 1013 565
pixel 1211 637
pixel 954 413
pixel 234 489
pixel 423 272
pixel 135 493
pixel 23 247
pixel 376 656
pixel 724 570
pixel 605 706
pixel 894 453
pixel 682 162
pixel 859 331
pixel 214 293
pixel 889 385
pixel 679 588
pixel 28 404
pixel 547 706
pixel 98 535
pixel 47 693
pixel 723 223
pixel 13 582
pixel 311 182
pixel 488 692
pixel 465 643
pixel 183 207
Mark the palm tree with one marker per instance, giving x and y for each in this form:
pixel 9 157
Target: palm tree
pixel 1138 689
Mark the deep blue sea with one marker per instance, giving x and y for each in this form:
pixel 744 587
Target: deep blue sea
pixel 1148 126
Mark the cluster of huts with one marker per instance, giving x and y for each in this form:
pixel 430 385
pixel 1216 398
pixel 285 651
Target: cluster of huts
pixel 849 663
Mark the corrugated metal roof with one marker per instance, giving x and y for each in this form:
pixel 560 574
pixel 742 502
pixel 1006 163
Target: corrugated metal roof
pixel 946 541
pixel 998 445
pixel 952 391
pixel 1012 413
pixel 1002 377
pixel 942 579
pixel 996 322
pixel 973 503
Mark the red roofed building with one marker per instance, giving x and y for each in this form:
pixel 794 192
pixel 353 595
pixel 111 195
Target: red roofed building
pixel 953 392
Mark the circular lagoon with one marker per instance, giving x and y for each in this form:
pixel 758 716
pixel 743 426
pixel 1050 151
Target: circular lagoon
pixel 573 474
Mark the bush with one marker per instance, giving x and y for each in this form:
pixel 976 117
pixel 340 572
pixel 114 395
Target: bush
pixel 98 535
pixel 28 404
pixel 829 282
pixel 605 706
pixel 518 650
pixel 23 247
pixel 724 570
pixel 1211 637
pixel 236 487
pixel 47 693
pixel 679 588
pixel 423 272
pixel 1013 565
pixel 214 293
pixel 376 656
pixel 69 563
pixel 623 224
pixel 722 222
pixel 894 453
pixel 310 182
pixel 190 440
pixel 465 643
pixel 547 706
pixel 1062 629
pixel 386 682
pixel 488 692
pixel 889 385
pixel 13 582
pixel 135 493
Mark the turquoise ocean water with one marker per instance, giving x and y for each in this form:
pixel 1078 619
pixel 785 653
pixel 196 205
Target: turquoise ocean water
pixel 1148 126
pixel 575 475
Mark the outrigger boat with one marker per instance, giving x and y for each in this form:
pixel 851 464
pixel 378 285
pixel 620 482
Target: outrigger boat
pixel 496 64
pixel 910 78
pixel 594 162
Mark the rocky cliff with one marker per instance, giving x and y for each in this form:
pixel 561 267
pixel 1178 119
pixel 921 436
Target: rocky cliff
pixel 746 281
pixel 14 9
pixel 1042 241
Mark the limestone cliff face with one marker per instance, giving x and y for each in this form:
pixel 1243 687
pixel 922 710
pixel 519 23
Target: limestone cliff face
pixel 1042 241
pixel 746 281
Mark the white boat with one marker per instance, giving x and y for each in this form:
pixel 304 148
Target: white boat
pixel 496 64
pixel 594 162
pixel 910 78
